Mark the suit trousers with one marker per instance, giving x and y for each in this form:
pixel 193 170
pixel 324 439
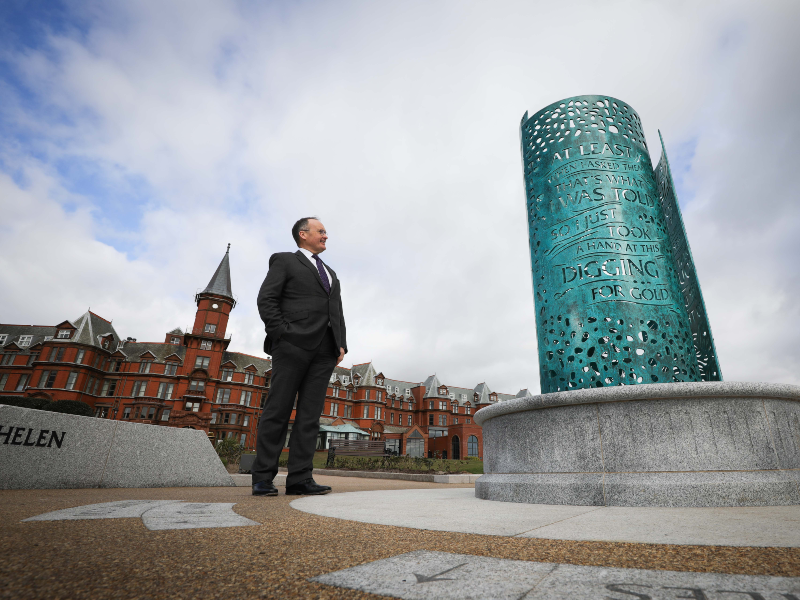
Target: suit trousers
pixel 305 375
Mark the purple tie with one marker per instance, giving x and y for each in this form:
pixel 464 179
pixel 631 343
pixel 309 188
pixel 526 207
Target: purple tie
pixel 325 283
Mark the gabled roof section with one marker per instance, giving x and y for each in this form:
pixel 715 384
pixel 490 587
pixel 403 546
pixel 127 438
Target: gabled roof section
pixel 90 328
pixel 220 284
pixel 155 351
pixel 38 334
pixel 242 361
pixel 523 394
pixel 366 373
pixel 483 392
pixel 176 331
pixel 432 385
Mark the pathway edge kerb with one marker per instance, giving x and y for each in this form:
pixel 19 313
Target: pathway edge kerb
pixel 652 391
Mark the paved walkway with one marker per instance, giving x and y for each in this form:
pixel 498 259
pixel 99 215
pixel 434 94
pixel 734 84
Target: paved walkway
pixel 131 549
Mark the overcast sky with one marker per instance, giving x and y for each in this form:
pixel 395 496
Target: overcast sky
pixel 138 138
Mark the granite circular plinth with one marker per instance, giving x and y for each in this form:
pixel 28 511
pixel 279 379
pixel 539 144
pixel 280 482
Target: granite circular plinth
pixel 679 444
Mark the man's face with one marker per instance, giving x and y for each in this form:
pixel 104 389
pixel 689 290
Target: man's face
pixel 314 239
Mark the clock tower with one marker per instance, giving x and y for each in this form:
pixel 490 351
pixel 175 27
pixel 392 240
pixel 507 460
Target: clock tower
pixel 214 304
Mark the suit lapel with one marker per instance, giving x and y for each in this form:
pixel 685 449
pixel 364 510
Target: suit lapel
pixel 307 263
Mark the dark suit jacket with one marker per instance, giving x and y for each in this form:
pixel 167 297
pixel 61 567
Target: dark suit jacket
pixel 294 306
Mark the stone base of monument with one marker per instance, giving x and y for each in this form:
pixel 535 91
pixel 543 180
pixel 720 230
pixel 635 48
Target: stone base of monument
pixel 679 444
pixel 47 450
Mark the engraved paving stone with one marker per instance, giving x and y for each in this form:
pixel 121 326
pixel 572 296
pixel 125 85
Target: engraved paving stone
pixel 423 574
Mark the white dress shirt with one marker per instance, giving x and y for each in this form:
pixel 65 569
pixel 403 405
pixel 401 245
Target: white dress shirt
pixel 310 256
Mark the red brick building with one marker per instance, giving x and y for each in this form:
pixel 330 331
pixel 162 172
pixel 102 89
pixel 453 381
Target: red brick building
pixel 192 379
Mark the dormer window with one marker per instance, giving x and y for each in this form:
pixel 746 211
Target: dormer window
pixel 442 391
pixel 408 391
pixel 345 380
pixel 248 377
pixel 24 340
pixel 3 338
pixel 175 340
pixel 170 368
pixel 379 381
pixel 452 396
pixel 227 374
pixel 210 328
pixel 63 334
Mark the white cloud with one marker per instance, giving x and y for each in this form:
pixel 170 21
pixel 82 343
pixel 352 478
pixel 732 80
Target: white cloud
pixel 398 126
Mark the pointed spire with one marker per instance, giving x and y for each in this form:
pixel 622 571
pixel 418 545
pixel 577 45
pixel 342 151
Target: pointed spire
pixel 220 283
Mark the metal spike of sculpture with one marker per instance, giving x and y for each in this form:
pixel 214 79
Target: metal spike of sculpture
pixel 616 293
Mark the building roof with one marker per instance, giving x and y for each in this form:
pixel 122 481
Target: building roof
pixel 90 329
pixel 220 284
pixel 13 333
pixel 160 351
pixel 242 361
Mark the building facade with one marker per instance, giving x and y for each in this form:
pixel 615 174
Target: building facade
pixel 192 379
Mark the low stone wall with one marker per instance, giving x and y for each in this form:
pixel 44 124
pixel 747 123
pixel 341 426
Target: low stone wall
pixel 46 450
pixel 681 444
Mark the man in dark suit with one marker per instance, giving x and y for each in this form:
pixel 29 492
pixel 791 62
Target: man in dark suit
pixel 300 303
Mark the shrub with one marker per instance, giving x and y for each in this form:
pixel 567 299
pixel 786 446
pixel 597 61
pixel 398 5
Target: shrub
pixel 416 464
pixel 229 450
pixel 36 403
pixel 70 407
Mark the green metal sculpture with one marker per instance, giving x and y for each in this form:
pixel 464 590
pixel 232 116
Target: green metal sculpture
pixel 605 229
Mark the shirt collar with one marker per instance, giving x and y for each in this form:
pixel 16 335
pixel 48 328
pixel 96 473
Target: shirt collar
pixel 307 252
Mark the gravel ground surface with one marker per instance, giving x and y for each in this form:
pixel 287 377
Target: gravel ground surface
pixel 120 558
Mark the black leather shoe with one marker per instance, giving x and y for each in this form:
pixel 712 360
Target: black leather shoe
pixel 264 488
pixel 309 487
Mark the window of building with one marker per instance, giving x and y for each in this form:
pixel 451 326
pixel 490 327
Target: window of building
pixel 109 387
pixel 47 338
pixel 455 409
pixel 442 420
pixel 24 340
pixel 8 359
pixel 22 383
pixel 48 379
pixel 467 410
pixel 349 394
pixel 192 406
pixel 442 404
pixel 165 390
pixel 246 421
pixel 32 357
pixel 116 366
pixel 391 418
pixel 89 383
pixel 409 420
pixel 472 446
pixel 263 399
pixel 430 405
pixel 379 395
pixel 205 345
pixel 213 418
pixel 366 394
pixel 232 418
pixel 201 362
pixel 209 328
pixel 197 385
pixel 63 334
pixel 378 411
pixel 151 413
pixel 165 414
pixel 73 376
pixel 170 368
pixel 139 388
pixel 245 398
pixel 79 357
pixel 223 396
pixel 468 421
pixel 430 419
pixel 334 409
pixel 101 412
pixel 3 380
pixel 366 412
pixel 345 380
pixel 455 420
pixel 3 338
pixel 248 377
pixel 175 340
pixel 96 386
pixel 126 414
pixel 144 366
pixel 243 439
pixel 348 412
pixel 227 374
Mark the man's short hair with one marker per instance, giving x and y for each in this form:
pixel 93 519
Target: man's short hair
pixel 301 225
